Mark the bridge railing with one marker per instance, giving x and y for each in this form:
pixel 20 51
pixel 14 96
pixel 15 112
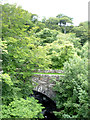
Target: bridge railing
pixel 48 71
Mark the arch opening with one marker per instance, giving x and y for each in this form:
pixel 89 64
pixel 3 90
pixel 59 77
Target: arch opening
pixel 48 103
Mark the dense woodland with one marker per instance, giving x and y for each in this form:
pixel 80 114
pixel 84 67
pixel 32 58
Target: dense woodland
pixel 53 43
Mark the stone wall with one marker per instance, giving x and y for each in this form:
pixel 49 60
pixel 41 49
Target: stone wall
pixel 48 71
pixel 44 83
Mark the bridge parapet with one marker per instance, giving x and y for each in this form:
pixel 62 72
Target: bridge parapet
pixel 44 83
pixel 48 71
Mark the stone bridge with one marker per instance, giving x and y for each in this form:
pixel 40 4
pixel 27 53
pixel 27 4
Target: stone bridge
pixel 45 82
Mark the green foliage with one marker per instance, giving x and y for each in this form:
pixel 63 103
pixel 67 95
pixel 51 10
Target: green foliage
pixel 18 65
pixel 22 108
pixel 8 90
pixel 14 20
pixel 47 36
pixel 81 32
pixel 14 106
pixel 60 23
pixel 28 44
pixel 13 88
pixel 52 23
pixel 59 54
pixel 49 73
pixel 63 19
pixel 72 89
pixel 19 47
pixel 71 38
pixel 62 49
pixel 83 52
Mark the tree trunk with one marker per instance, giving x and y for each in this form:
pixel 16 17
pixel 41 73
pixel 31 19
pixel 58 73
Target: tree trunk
pixel 64 29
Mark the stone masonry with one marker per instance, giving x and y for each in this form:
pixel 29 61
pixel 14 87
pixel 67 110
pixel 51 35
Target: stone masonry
pixel 45 83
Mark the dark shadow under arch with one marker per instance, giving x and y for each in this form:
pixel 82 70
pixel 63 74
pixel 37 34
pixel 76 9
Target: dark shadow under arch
pixel 48 103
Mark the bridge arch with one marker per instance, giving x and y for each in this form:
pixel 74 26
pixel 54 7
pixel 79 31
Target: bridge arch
pixel 45 86
pixel 48 103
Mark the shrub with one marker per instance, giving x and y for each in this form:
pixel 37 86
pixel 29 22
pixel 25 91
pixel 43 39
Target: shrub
pixel 72 89
pixel 22 108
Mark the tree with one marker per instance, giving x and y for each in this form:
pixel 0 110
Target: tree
pixel 16 20
pixel 52 23
pixel 70 37
pixel 53 20
pixel 81 32
pixel 16 90
pixel 59 54
pixel 63 21
pixel 62 49
pixel 72 89
pixel 29 44
pixel 21 108
pixel 19 58
pixel 47 36
pixel 83 52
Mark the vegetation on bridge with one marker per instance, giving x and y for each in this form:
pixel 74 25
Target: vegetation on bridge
pixel 50 73
pixel 28 43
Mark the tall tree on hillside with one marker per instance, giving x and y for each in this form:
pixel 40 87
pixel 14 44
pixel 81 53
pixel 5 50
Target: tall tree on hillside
pixel 52 23
pixel 63 21
pixel 81 31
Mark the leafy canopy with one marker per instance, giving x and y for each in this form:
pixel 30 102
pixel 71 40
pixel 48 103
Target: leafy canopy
pixel 72 89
